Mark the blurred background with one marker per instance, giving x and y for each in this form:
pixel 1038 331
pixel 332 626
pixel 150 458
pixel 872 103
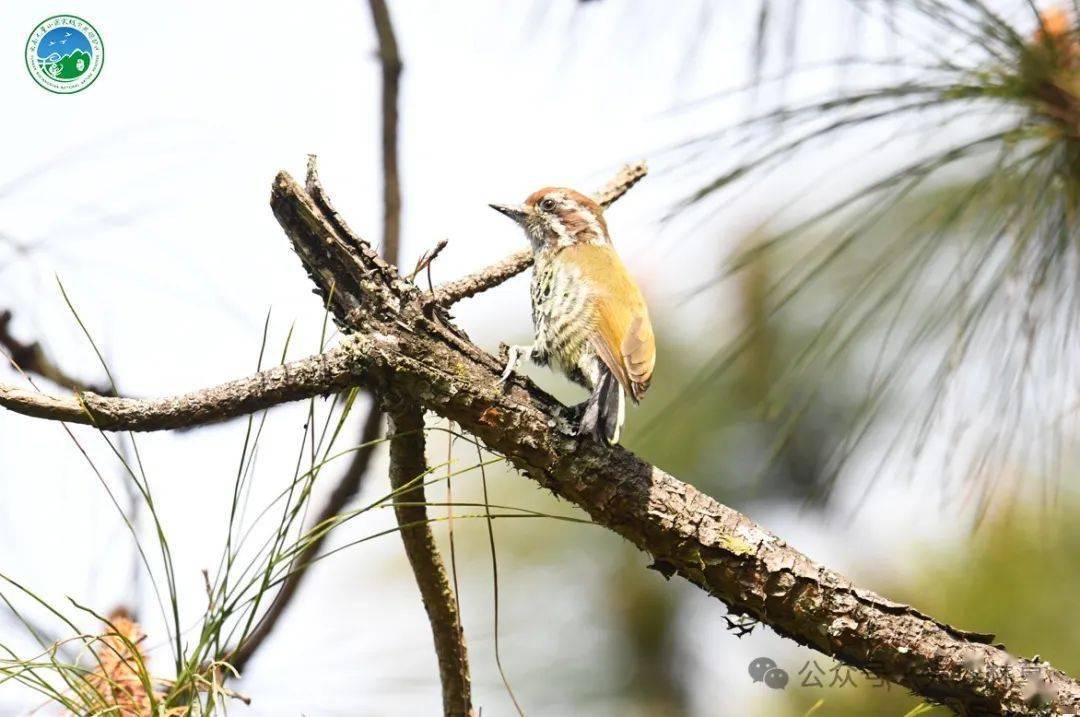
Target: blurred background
pixel 875 368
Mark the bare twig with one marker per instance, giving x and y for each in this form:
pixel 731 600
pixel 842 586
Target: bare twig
pixel 471 285
pixel 622 183
pixel 322 374
pixel 390 61
pixel 31 358
pixel 424 262
pixel 408 468
pixel 398 348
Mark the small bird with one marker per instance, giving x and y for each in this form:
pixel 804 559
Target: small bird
pixel 589 317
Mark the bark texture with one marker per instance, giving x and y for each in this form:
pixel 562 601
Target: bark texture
pixel 403 343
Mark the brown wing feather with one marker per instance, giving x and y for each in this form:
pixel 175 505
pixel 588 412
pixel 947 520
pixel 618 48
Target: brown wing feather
pixel 639 354
pixel 623 336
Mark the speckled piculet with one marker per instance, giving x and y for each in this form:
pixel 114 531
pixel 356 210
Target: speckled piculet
pixel 589 317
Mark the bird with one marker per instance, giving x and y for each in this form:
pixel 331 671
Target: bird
pixel 589 317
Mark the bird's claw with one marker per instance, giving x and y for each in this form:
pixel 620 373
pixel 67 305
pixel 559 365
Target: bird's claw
pixel 505 374
pixel 513 358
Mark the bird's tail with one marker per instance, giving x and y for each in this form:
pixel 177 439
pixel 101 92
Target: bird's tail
pixel 605 410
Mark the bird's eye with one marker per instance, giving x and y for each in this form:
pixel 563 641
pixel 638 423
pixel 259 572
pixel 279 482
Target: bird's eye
pixel 548 204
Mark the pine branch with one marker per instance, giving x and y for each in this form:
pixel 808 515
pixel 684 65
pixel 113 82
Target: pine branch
pixel 31 358
pixel 408 469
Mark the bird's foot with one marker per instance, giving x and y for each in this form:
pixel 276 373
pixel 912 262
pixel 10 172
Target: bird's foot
pixel 514 354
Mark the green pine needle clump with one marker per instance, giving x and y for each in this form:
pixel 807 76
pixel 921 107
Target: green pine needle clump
pixel 946 269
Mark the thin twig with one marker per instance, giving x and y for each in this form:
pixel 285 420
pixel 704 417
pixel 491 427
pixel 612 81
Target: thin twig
pixel 31 358
pixel 622 183
pixel 424 262
pixel 390 62
pixel 473 284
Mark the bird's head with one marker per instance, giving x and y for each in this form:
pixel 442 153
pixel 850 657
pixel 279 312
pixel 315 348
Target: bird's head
pixel 556 217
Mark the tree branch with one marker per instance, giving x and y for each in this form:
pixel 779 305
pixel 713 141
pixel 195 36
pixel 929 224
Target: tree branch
pixel 317 375
pixel 390 62
pixel 31 358
pixel 406 345
pixel 471 285
pixel 408 467
pixel 622 183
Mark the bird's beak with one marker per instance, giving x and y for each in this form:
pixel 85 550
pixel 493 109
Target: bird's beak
pixel 517 212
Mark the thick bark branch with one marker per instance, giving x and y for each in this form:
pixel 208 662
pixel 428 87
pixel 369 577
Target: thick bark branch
pixel 408 467
pixel 405 345
pixel 471 285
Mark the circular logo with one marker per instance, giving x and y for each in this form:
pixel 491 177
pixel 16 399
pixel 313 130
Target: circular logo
pixel 64 54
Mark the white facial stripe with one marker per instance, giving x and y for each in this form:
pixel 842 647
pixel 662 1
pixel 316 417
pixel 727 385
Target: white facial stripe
pixel 562 201
pixel 556 225
pixel 594 225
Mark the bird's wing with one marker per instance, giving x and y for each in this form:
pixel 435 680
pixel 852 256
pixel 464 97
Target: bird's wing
pixel 622 333
pixel 639 353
